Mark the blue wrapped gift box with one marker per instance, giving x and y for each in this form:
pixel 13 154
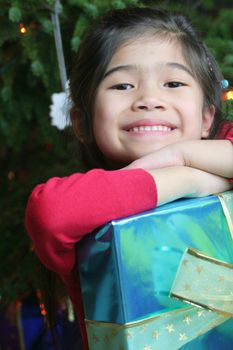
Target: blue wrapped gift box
pixel 162 279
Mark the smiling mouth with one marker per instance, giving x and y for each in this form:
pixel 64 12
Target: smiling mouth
pixel 150 128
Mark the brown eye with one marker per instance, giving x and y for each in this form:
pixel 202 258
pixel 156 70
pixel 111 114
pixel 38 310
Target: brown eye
pixel 174 84
pixel 123 86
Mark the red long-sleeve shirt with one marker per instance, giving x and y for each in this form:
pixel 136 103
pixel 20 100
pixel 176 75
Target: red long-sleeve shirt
pixel 63 210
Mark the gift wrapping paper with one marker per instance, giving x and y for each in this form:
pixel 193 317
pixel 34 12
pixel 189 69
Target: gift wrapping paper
pixel 162 279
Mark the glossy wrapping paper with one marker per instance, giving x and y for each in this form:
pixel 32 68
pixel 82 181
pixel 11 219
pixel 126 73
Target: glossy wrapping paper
pixel 162 279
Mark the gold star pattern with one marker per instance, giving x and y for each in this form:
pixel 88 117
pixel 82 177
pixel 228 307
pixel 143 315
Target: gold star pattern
pixel 106 339
pixel 114 332
pixel 187 319
pixel 200 313
pixel 170 328
pixel 95 338
pixel 221 279
pixel 129 334
pixel 199 269
pixel 182 337
pixel 185 262
pixel 155 334
pixel 143 329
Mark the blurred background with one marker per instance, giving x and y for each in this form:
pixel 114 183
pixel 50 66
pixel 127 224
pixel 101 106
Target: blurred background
pixel 34 145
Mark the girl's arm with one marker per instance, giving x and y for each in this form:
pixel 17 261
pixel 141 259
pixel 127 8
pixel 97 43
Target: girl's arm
pixel 175 182
pixel 61 211
pixel 213 156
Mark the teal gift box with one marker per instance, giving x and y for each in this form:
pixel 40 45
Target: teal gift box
pixel 162 279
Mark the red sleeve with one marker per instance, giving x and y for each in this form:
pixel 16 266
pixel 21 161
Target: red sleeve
pixel 61 211
pixel 226 132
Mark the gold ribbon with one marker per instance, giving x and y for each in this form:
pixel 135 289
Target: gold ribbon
pixel 169 330
pixel 226 200
pixel 204 281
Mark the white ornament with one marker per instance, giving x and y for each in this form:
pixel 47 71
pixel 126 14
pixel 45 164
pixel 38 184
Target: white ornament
pixel 59 109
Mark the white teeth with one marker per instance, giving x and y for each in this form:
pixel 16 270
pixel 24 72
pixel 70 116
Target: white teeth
pixel 150 128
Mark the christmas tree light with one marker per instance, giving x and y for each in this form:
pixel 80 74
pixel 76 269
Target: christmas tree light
pixel 22 28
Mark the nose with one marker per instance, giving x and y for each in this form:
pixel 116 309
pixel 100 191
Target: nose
pixel 149 101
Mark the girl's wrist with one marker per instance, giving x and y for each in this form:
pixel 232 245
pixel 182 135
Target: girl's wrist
pixel 174 182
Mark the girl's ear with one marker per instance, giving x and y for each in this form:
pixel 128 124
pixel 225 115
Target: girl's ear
pixel 77 123
pixel 207 121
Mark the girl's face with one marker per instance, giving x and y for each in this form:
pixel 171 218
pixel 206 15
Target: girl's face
pixel 148 99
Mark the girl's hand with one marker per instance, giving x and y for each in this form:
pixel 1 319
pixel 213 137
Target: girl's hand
pixel 171 155
pixel 212 156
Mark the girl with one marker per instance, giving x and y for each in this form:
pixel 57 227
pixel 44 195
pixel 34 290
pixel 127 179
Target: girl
pixel 146 99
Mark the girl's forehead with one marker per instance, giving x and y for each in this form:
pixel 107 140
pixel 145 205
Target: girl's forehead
pixel 148 49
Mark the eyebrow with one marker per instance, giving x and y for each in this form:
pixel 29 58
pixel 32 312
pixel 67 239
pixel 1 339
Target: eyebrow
pixel 130 67
pixel 180 66
pixel 127 67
